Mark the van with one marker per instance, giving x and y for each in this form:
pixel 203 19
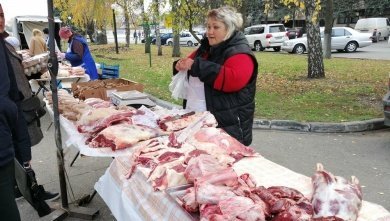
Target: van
pixel 266 36
pixel 367 25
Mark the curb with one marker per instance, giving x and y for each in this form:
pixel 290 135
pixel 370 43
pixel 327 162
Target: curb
pixel 288 125
pixel 319 127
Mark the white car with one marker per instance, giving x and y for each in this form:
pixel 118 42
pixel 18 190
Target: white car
pixel 186 38
pixel 343 39
pixel 266 36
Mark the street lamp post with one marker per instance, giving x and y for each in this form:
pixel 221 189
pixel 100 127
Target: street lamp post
pixel 113 6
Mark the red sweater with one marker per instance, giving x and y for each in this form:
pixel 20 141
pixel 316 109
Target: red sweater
pixel 234 74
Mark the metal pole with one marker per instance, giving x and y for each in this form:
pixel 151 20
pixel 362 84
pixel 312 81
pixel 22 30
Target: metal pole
pixel 115 34
pixel 53 68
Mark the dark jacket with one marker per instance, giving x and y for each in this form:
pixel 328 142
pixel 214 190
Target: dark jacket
pixel 234 111
pixel 12 126
pixel 86 61
pixel 34 131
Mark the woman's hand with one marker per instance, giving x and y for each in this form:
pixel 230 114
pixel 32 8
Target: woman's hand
pixel 61 55
pixel 184 64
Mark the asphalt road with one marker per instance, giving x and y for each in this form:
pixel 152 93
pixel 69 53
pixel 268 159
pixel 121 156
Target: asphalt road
pixel 376 51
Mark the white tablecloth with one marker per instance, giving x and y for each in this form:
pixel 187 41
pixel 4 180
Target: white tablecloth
pixel 71 137
pixel 66 82
pixel 134 198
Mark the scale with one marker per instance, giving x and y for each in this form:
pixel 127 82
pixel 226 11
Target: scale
pixel 131 98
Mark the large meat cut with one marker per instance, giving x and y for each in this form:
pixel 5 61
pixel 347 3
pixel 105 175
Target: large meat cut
pixel 334 196
pixel 123 135
pixel 216 141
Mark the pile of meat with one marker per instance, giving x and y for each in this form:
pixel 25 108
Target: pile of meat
pixel 118 127
pixel 221 194
pixel 65 71
pixel 202 153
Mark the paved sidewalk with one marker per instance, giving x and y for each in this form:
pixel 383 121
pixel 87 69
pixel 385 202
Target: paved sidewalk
pixel 82 176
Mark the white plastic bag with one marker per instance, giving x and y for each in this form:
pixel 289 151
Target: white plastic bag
pixel 178 85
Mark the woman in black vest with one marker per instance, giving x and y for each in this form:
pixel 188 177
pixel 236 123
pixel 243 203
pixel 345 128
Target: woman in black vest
pixel 222 74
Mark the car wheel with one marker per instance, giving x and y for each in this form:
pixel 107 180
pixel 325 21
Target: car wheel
pixel 258 46
pixel 170 43
pixel 190 44
pixel 276 48
pixel 351 47
pixel 299 49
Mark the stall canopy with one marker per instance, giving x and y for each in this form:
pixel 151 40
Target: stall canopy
pixel 24 26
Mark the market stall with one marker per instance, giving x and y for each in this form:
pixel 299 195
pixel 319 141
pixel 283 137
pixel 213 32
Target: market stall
pixel 131 186
pixel 135 199
pixel 67 75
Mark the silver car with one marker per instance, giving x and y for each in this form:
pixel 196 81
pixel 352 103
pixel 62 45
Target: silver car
pixel 343 39
pixel 265 36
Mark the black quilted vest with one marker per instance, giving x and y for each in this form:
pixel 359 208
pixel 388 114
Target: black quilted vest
pixel 233 111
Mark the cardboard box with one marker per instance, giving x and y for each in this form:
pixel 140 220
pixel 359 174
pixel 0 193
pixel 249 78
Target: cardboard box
pixel 103 88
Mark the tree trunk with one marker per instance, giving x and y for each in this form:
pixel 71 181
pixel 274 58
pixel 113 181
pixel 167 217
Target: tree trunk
pixel 328 29
pixel 158 37
pixel 158 41
pixel 147 38
pixel 127 23
pixel 315 60
pixel 91 30
pixel 176 42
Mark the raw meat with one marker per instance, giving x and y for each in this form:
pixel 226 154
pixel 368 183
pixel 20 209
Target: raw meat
pixel 334 196
pixel 189 202
pixel 116 117
pixel 286 204
pixel 179 122
pixel 242 208
pixel 202 165
pixel 215 141
pixel 122 135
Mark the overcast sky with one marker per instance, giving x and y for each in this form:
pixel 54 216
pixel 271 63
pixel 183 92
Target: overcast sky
pixel 24 7
pixel 14 8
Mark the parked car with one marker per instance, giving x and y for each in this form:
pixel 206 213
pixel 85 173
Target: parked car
pixel 164 37
pixel 368 25
pixel 266 36
pixel 343 39
pixel 186 38
pixel 296 32
pixel 150 37
pixel 386 106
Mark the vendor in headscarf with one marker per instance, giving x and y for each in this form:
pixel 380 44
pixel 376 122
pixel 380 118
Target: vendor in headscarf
pixel 78 53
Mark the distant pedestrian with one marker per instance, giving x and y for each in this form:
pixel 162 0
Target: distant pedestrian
pixel 37 43
pixel 46 37
pixel 135 36
pixel 139 34
pixel 374 36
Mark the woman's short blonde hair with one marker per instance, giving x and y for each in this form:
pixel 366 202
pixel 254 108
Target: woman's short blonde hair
pixel 37 32
pixel 229 16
